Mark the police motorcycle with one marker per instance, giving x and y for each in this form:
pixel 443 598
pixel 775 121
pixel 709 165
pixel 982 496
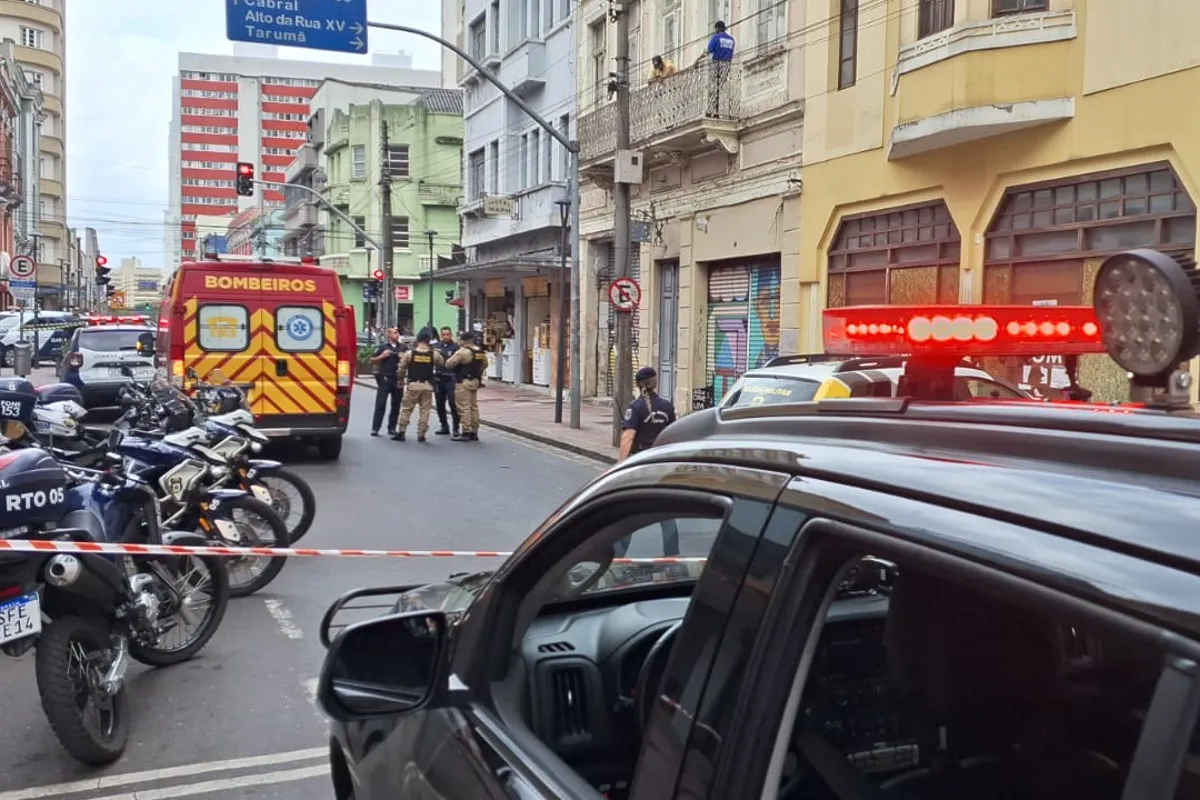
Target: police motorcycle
pixel 86 616
pixel 191 483
pixel 220 411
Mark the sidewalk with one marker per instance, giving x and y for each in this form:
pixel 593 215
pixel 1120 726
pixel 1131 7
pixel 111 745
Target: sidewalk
pixel 530 414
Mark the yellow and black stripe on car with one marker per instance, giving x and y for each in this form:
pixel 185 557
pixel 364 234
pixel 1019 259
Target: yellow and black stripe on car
pixel 860 383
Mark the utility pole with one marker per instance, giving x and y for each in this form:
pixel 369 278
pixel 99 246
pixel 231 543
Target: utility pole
pixel 385 186
pixel 623 380
pixel 432 330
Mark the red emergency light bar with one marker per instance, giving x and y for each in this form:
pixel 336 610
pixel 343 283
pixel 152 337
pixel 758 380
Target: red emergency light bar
pixel 116 320
pixel 962 330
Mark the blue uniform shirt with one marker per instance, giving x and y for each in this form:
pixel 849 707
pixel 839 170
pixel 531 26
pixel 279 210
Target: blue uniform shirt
pixel 389 367
pixel 447 349
pixel 720 47
pixel 647 416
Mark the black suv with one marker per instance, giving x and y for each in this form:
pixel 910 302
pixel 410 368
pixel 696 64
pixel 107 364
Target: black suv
pixel 878 597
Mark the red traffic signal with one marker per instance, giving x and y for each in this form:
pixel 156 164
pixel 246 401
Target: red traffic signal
pixel 378 275
pixel 101 261
pixel 245 169
pixel 245 179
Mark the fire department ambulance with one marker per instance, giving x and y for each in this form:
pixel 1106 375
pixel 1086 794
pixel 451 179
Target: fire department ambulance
pixel 278 326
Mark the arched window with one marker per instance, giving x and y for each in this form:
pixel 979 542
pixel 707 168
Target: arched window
pixel 904 255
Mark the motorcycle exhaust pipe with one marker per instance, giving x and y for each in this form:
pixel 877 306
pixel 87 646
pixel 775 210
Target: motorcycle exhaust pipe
pixel 96 581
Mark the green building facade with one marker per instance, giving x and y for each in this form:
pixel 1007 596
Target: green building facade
pixel 424 159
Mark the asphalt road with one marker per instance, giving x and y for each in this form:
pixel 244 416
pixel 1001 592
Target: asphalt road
pixel 239 721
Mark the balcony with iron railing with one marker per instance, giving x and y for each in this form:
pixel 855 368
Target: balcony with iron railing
pixel 696 107
pixel 10 182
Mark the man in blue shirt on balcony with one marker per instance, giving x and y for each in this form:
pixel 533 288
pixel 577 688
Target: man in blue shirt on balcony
pixel 720 52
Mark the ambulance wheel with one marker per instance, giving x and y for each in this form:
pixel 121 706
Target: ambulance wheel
pixel 330 448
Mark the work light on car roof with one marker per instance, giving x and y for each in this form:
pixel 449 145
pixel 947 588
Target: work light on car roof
pixel 1146 304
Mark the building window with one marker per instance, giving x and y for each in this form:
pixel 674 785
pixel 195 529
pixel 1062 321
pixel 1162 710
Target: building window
pixel 479 39
pixel 598 37
pixel 493 160
pixel 398 161
pixel 848 44
pixel 672 30
pixel 32 37
pixel 564 127
pixel 523 164
pixel 771 21
pixel 34 77
pixel 907 255
pixel 934 16
pixel 1002 7
pixel 1093 216
pixel 476 165
pixel 358 167
pixel 359 240
pixel 400 233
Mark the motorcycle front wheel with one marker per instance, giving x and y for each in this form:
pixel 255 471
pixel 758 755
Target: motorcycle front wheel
pixel 91 725
pixel 293 498
pixel 259 525
pixel 201 586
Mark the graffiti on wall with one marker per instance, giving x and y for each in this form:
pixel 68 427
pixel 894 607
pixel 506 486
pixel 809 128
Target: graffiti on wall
pixel 764 314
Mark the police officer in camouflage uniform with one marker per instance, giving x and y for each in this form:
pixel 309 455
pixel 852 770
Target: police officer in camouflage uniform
pixel 469 364
pixel 418 367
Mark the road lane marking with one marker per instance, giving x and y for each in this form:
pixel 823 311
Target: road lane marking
pixel 310 686
pixel 223 784
pixel 151 775
pixel 283 618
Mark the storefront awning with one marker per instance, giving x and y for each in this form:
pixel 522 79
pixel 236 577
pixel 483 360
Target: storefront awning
pixel 495 269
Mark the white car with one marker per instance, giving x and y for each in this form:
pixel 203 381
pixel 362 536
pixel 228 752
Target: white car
pixel 96 357
pixel 31 325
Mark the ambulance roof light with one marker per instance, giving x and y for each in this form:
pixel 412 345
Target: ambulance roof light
pixel 962 330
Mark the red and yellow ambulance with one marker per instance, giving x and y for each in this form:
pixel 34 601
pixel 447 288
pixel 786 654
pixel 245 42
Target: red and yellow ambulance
pixel 280 326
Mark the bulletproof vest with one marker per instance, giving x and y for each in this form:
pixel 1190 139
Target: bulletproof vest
pixel 473 369
pixel 420 366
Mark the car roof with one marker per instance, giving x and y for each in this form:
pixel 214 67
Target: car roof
pixel 821 370
pixel 1122 477
pixel 118 327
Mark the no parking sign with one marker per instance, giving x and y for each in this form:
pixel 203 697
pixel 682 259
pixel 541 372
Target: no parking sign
pixel 625 294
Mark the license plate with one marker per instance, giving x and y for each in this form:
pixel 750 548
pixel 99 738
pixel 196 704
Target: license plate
pixel 143 373
pixel 262 494
pixel 20 618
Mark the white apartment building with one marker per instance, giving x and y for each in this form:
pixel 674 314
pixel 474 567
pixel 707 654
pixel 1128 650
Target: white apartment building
pixel 716 215
pixel 516 177
pixel 250 106
pixel 38 29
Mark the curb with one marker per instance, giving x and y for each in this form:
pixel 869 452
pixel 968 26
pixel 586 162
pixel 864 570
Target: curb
pixel 533 437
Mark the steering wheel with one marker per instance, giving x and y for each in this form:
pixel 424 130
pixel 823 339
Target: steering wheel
pixel 650 675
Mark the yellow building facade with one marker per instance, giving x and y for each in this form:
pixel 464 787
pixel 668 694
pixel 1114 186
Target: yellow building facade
pixel 991 151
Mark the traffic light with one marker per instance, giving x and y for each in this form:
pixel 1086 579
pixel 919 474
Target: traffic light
pixel 245 179
pixel 102 270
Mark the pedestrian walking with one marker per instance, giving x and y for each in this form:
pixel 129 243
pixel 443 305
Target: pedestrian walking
pixel 469 365
pixel 417 368
pixel 646 418
pixel 387 386
pixel 443 386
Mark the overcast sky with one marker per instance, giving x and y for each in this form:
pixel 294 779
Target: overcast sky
pixel 121 56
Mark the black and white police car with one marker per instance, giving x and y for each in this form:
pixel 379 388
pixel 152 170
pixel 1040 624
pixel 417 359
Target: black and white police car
pixel 46 330
pixel 99 351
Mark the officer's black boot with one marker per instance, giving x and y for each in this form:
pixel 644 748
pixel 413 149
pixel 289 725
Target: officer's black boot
pixel 443 431
pixel 460 437
pixel 398 436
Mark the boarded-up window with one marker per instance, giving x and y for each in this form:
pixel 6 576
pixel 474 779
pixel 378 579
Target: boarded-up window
pixel 906 255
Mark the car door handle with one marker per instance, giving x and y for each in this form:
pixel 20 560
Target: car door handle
pixel 281 368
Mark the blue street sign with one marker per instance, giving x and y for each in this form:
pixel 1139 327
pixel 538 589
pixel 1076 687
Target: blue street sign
pixel 22 284
pixel 339 26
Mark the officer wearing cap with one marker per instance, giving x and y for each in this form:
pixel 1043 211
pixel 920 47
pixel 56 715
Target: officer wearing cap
pixel 469 365
pixel 417 367
pixel 645 418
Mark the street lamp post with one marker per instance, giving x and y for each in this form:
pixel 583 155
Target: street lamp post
pixel 430 235
pixel 564 309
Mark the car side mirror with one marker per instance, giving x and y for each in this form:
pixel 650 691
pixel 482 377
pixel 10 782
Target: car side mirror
pixel 191 373
pixel 386 666
pixel 145 342
pixel 115 437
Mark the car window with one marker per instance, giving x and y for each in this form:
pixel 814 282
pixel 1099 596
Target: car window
pixel 223 328
pixel 762 390
pixel 109 341
pixel 971 388
pixel 621 567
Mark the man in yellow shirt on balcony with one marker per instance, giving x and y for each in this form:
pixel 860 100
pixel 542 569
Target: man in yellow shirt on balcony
pixel 661 68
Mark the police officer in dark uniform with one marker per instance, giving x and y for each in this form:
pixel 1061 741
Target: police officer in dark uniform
pixel 443 387
pixel 645 418
pixel 387 383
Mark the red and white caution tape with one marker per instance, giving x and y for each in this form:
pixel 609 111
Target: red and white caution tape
pixel 43 546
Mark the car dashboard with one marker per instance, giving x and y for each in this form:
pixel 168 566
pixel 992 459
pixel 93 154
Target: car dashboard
pixel 583 670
